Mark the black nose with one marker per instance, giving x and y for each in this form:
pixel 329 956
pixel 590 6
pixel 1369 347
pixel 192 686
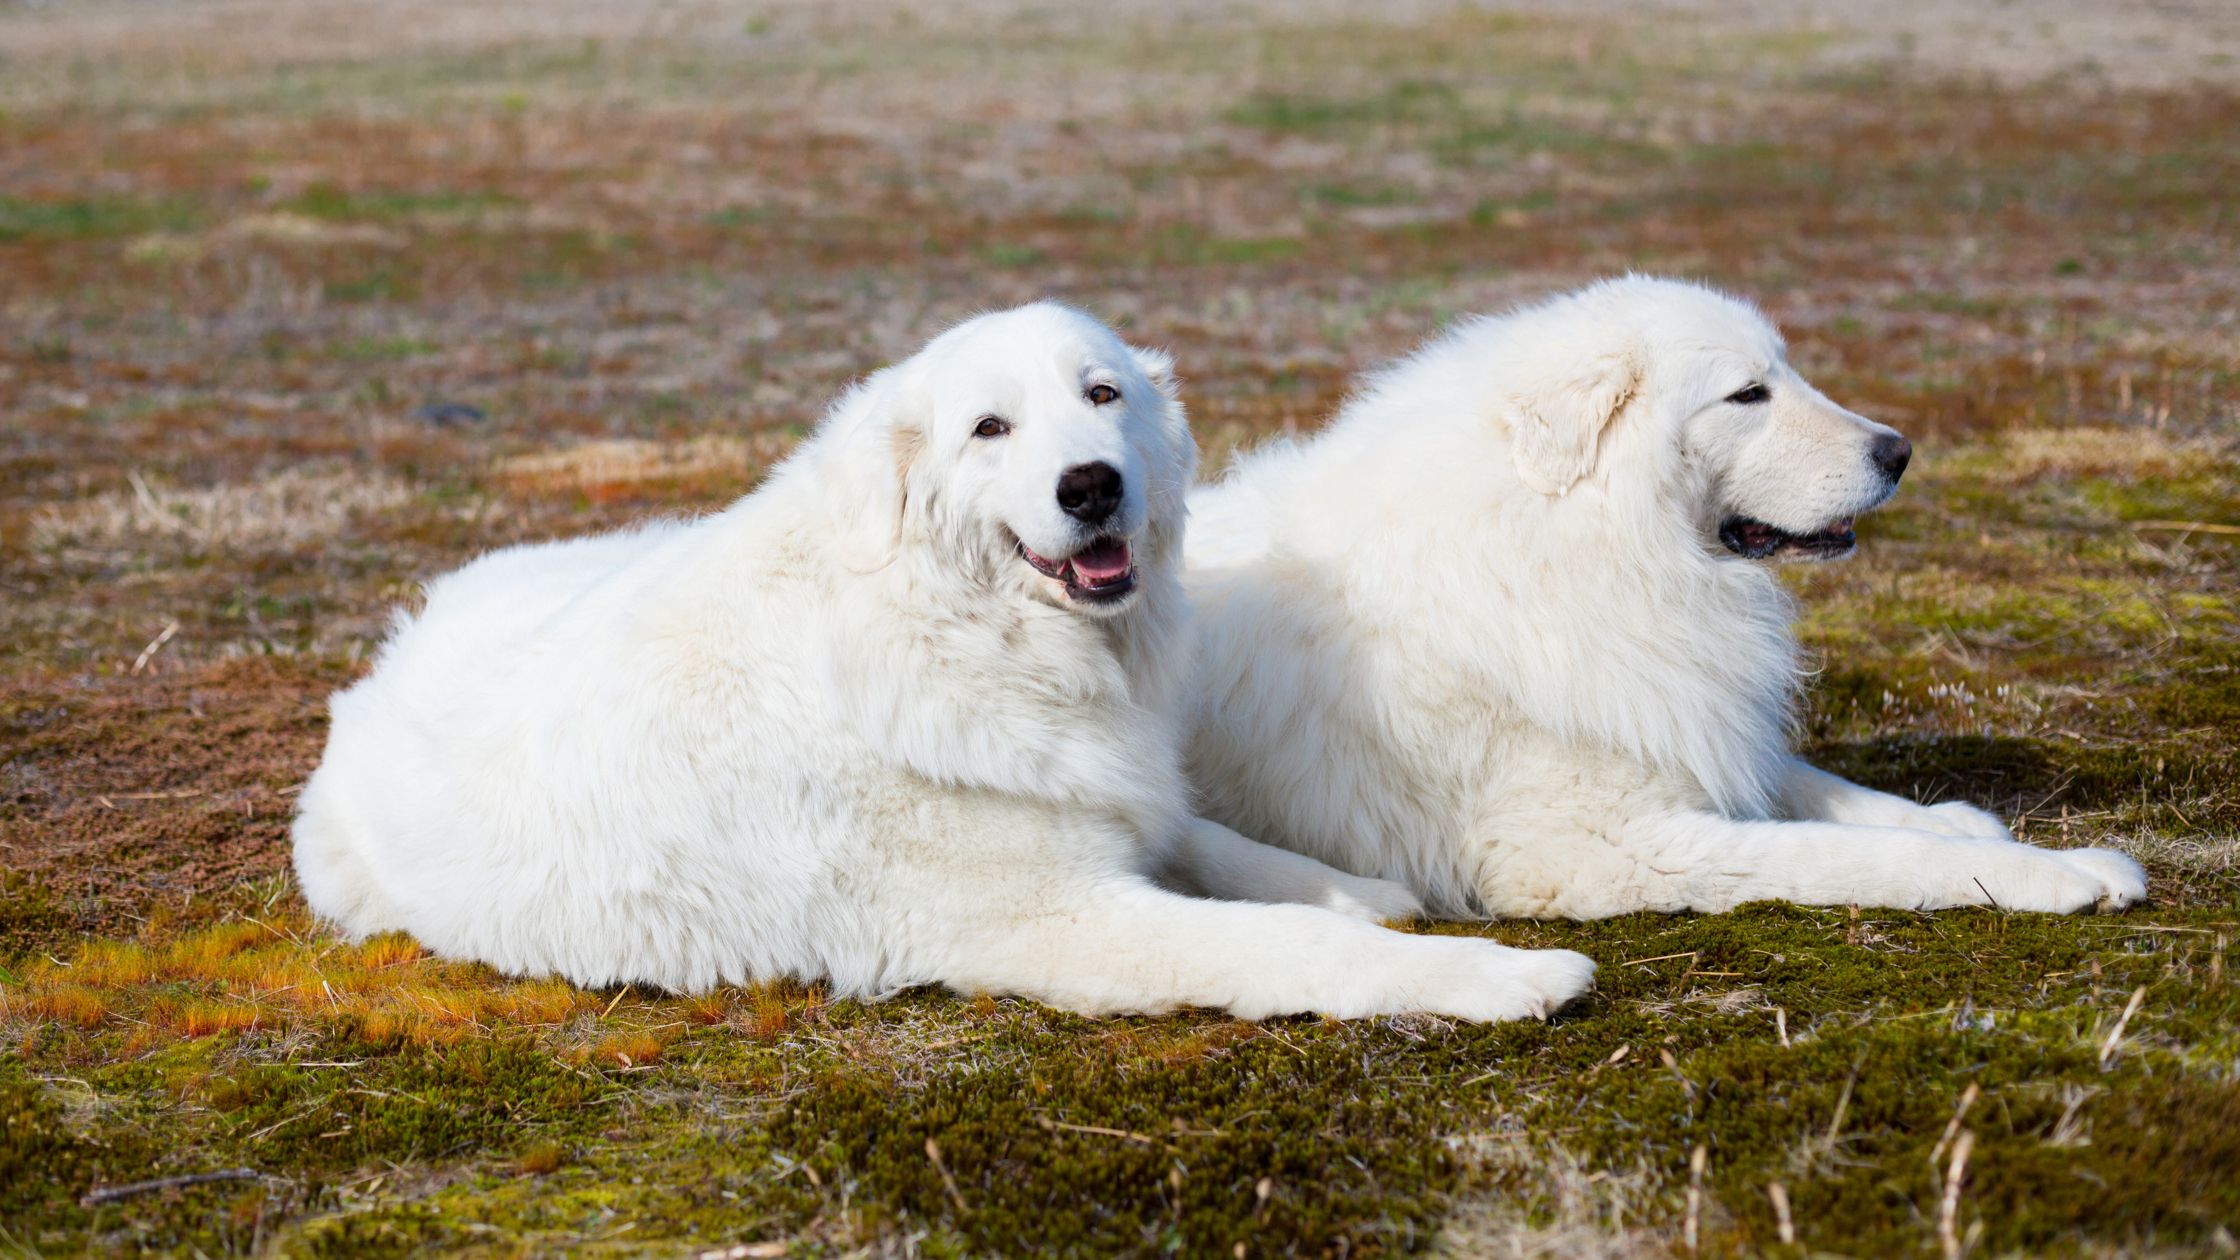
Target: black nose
pixel 1890 453
pixel 1089 492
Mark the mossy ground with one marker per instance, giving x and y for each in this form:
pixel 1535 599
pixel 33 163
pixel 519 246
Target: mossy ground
pixel 238 260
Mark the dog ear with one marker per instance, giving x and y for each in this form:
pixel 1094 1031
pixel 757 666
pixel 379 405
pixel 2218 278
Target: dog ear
pixel 876 436
pixel 1158 367
pixel 1560 416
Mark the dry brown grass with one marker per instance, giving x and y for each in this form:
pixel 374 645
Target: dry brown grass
pixel 2130 454
pixel 293 508
pixel 1554 1206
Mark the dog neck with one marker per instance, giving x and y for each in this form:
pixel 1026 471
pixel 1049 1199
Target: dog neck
pixel 1669 654
pixel 968 686
pixel 1596 615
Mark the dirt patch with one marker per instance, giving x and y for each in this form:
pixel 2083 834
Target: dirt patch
pixel 117 793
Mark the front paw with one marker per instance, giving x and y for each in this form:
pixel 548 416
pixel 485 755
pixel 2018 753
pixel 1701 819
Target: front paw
pixel 2118 881
pixel 1958 818
pixel 1374 900
pixel 1488 983
pixel 2067 881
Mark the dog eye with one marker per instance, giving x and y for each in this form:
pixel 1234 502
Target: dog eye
pixel 991 427
pixel 1102 394
pixel 1751 393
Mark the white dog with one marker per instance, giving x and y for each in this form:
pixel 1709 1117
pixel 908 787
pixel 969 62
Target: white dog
pixel 1498 634
pixel 906 714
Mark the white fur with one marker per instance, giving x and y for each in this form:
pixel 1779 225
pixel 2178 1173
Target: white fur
pixel 1480 636
pixel 842 730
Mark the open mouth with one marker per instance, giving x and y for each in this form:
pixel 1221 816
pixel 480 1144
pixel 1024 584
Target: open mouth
pixel 1101 573
pixel 1755 540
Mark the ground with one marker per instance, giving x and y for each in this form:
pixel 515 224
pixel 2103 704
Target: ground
pixel 306 301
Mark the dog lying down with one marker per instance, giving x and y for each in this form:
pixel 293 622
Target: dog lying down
pixel 906 714
pixel 1498 633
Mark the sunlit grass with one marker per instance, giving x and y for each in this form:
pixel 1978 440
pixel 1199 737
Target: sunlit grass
pixel 271 972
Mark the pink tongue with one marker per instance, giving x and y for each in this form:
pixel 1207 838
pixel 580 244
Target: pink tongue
pixel 1102 563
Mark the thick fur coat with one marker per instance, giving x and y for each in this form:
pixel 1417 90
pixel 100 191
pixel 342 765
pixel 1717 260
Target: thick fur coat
pixel 907 714
pixel 1504 633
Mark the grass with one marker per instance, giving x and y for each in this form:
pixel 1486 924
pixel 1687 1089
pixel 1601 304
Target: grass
pixel 23 220
pixel 237 266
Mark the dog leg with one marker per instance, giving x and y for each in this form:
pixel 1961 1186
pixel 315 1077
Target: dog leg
pixel 1814 794
pixel 1837 863
pixel 1210 860
pixel 1706 862
pixel 1123 944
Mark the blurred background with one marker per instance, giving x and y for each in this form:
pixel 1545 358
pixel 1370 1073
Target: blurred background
pixel 301 300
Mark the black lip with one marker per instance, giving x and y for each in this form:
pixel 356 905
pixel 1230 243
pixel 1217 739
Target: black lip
pixel 1035 563
pixel 1755 540
pixel 1109 593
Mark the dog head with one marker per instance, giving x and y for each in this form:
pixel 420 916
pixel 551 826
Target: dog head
pixel 1645 380
pixel 1031 449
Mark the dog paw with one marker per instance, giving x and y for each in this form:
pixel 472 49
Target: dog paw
pixel 1558 977
pixel 1496 983
pixel 1958 818
pixel 2067 881
pixel 1374 900
pixel 2117 881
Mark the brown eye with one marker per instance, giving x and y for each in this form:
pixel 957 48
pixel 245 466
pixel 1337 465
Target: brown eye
pixel 991 427
pixel 1102 394
pixel 1750 394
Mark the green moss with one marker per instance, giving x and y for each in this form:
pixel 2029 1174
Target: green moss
pixel 1403 102
pixel 1004 254
pixel 402 1230
pixel 1062 1135
pixel 2040 773
pixel 30 916
pixel 382 282
pixel 1850 1121
pixel 1454 126
pixel 1891 1017
pixel 2199 695
pixel 380 349
pixel 401 1106
pixel 1188 245
pixel 77 219
pixel 1176 1152
pixel 36 1150
pixel 1356 195
pixel 327 201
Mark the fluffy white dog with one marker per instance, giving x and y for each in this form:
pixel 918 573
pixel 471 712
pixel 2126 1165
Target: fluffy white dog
pixel 1498 632
pixel 906 714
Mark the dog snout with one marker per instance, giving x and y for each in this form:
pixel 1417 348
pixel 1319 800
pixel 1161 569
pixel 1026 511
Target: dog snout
pixel 1890 453
pixel 1089 492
